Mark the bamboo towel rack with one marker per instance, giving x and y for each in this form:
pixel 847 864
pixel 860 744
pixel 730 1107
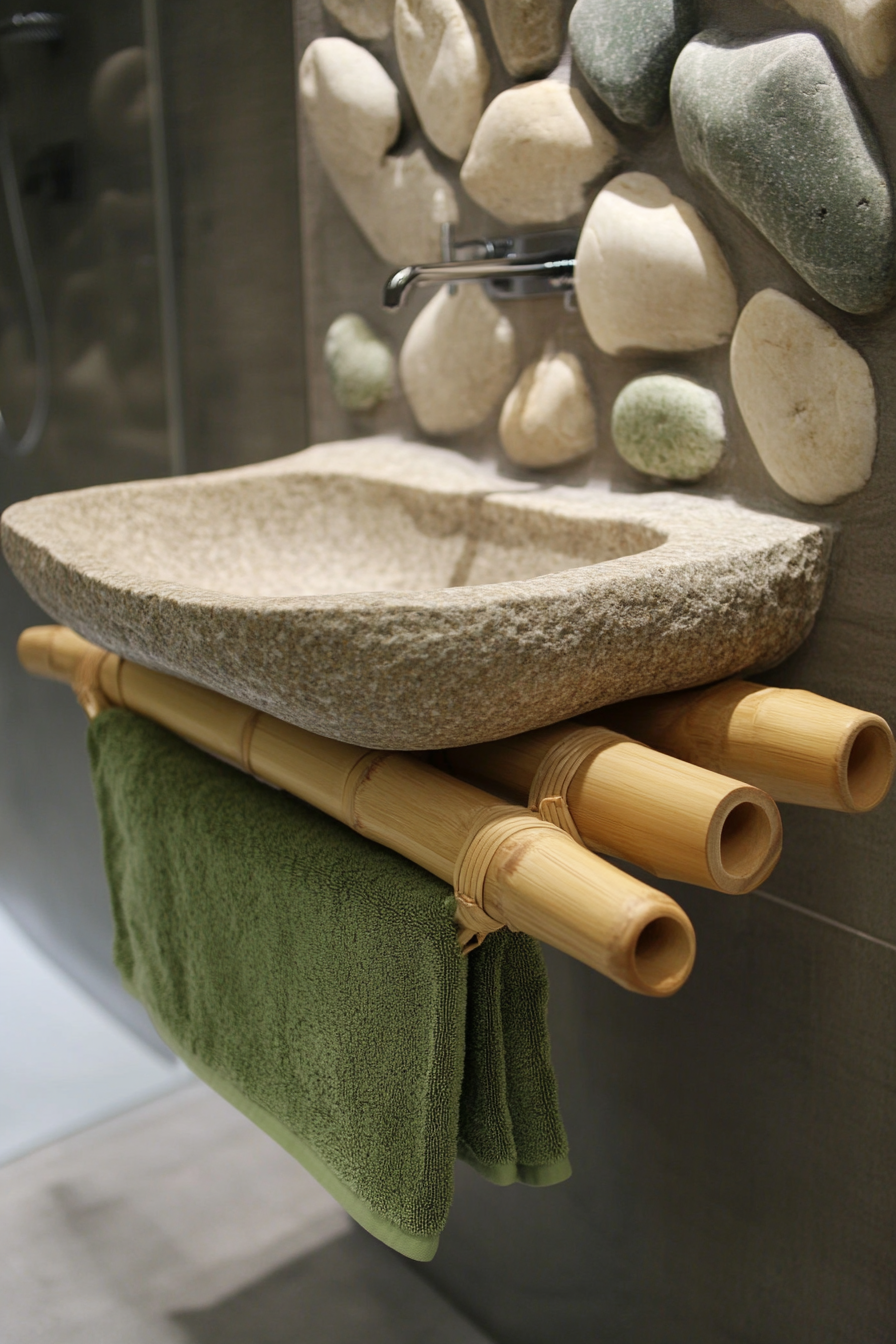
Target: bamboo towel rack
pixel 618 796
pixel 507 866
pixel 800 747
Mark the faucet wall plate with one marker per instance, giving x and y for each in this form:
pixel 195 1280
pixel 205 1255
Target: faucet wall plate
pixel 404 597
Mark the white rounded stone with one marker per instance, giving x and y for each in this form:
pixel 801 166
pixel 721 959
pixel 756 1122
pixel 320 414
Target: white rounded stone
pixel 806 397
pixel 548 417
pixel 457 361
pixel 401 208
pixel 649 274
pixel 350 103
pixel 535 150
pixel 368 19
pixel 398 201
pixel 445 69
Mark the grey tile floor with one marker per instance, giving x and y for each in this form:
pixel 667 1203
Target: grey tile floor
pixel 137 1207
pixel 64 1062
pixel 180 1223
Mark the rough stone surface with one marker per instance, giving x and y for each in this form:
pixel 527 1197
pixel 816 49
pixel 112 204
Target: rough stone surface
pixel 774 127
pixel 401 597
pixel 457 361
pixel 528 34
pixel 536 148
pixel 360 365
pixel 649 274
pixel 669 427
pixel 367 19
pixel 865 28
pixel 398 201
pixel 807 399
pixel 445 69
pixel 627 52
pixel 548 417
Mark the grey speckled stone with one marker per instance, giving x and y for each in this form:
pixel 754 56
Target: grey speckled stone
pixel 359 364
pixel 627 52
pixel 670 427
pixel 398 596
pixel 774 127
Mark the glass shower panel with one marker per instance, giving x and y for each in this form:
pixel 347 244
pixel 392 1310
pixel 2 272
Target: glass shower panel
pixel 79 111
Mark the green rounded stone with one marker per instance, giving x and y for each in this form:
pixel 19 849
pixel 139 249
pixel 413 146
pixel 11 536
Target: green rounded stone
pixel 670 427
pixel 774 126
pixel 360 365
pixel 627 51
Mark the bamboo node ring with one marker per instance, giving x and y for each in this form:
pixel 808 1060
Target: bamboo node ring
pixel 557 770
pixel 86 683
pixel 493 827
pixel 246 740
pixel 359 772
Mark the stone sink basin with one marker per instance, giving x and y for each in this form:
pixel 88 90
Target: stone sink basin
pixel 403 597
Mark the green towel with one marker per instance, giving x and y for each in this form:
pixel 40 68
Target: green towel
pixel 313 978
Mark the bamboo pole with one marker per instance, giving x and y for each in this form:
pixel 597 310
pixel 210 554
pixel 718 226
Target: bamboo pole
pixel 538 881
pixel 677 820
pixel 799 747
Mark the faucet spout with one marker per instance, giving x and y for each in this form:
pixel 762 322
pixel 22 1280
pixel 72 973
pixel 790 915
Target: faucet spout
pixel 511 268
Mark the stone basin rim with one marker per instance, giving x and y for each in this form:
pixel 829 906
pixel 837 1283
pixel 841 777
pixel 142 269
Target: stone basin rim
pixel 582 505
pixel 728 591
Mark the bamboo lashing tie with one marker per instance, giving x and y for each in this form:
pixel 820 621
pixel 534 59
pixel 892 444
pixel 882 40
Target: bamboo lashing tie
pixel 493 828
pixel 558 768
pixel 508 866
pixel 617 796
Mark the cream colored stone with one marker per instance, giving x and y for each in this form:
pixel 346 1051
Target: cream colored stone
pixel 368 19
pixel 865 28
pixel 457 361
pixel 398 201
pixel 535 150
pixel 548 417
pixel 423 602
pixel 807 399
pixel 528 34
pixel 445 69
pixel 649 274
pixel 401 208
pixel 350 103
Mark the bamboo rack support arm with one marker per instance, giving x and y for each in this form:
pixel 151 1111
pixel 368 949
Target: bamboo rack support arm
pixel 677 820
pixel 798 746
pixel 534 877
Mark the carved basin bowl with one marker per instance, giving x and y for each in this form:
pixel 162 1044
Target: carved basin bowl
pixel 403 597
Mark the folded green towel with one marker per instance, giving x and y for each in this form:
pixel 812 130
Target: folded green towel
pixel 314 979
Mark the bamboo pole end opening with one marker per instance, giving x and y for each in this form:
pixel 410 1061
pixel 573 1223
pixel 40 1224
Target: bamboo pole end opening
pixel 869 762
pixel 663 954
pixel 744 841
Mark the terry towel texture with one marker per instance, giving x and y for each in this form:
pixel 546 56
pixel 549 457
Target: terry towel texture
pixel 313 978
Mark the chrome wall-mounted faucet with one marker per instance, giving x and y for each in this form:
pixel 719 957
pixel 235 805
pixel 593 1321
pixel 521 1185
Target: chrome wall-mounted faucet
pixel 510 268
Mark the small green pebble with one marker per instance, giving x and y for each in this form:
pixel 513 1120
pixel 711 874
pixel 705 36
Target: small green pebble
pixel 360 365
pixel 670 427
